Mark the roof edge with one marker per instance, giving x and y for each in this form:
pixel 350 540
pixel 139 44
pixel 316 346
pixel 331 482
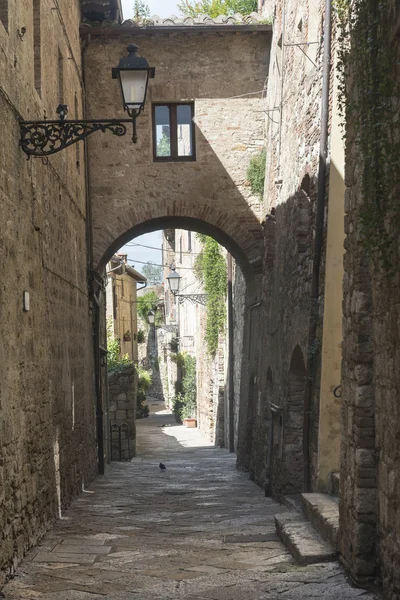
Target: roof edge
pixel 122 30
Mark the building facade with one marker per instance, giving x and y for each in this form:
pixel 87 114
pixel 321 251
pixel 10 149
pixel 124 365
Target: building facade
pixel 121 304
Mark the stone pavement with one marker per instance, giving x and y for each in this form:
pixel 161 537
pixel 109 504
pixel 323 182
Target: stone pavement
pixel 198 530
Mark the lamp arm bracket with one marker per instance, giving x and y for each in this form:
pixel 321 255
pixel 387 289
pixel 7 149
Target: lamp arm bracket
pixel 193 298
pixel 42 138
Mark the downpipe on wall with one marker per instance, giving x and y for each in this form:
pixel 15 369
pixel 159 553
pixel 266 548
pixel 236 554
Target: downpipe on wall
pixel 92 282
pixel 231 358
pixel 319 227
pixel 98 386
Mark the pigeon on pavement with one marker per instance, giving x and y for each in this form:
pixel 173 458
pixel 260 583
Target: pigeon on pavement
pixel 162 467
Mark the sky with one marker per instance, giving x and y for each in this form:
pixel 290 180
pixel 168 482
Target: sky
pixel 137 252
pixel 162 8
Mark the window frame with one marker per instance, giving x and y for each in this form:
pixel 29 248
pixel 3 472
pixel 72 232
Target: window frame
pixel 174 137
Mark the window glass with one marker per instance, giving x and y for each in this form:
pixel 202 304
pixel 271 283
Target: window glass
pixel 184 125
pixel 163 131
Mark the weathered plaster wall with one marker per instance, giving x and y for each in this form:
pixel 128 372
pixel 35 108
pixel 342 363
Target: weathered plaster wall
pixel 121 295
pixel 47 415
pixel 128 188
pixel 329 421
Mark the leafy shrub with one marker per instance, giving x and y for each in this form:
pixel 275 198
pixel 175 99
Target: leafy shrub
pixel 146 303
pixel 256 173
pixel 114 358
pixel 174 345
pixel 184 402
pixel 144 382
pixel 140 336
pixel 178 403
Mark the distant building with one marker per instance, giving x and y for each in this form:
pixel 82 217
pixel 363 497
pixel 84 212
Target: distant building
pixel 121 300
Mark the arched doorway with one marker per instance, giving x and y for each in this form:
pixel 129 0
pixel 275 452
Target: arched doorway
pixel 293 424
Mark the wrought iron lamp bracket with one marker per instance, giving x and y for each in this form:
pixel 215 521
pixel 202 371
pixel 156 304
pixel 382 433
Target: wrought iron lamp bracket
pixel 193 298
pixel 43 138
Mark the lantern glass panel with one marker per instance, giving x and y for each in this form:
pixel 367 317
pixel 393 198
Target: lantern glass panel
pixel 134 84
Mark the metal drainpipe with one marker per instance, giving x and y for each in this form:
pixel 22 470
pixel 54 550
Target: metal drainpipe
pixel 231 357
pixel 91 278
pixel 319 226
pixel 99 405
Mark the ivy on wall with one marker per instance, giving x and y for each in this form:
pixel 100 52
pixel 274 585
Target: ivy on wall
pixel 184 402
pixel 210 268
pixel 368 94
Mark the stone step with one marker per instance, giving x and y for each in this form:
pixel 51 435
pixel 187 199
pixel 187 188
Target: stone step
pixel 322 510
pixel 293 502
pixel 300 538
pixel 336 484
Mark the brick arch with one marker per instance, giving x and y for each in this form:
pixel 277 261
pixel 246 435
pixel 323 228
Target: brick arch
pixel 244 245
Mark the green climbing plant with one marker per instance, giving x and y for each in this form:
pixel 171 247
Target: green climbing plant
pixel 184 402
pixel 210 268
pixel 368 101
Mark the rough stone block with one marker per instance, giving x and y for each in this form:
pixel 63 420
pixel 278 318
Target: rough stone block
pixel 304 543
pixel 365 500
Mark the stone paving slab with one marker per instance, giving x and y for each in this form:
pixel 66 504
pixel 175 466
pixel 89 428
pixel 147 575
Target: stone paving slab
pixel 200 530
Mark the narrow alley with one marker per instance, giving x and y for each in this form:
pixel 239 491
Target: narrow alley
pixel 197 530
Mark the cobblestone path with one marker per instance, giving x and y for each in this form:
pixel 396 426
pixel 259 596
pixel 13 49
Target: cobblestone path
pixel 198 530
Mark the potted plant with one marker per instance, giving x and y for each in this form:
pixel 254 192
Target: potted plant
pixel 127 336
pixel 188 412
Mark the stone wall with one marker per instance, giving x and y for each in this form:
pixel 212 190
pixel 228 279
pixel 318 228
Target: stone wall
pixel 151 354
pixel 370 488
pixel 279 327
pixel 122 390
pixel 47 400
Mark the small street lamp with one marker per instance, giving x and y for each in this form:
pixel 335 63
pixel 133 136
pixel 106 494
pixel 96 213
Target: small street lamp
pixel 174 280
pixel 133 73
pixel 151 317
pixel 42 138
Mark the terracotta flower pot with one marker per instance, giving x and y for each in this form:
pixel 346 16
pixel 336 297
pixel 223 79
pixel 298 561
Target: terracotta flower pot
pixel 192 422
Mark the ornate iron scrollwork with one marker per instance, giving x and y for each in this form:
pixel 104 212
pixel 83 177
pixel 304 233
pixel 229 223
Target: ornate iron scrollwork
pixel 42 138
pixel 170 328
pixel 337 392
pixel 193 298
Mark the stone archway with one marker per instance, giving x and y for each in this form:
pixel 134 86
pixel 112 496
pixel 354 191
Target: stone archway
pixel 132 192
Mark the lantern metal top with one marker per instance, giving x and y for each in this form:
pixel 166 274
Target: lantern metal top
pixel 133 62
